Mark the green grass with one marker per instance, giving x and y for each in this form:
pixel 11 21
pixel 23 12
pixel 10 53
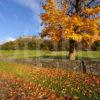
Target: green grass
pixel 21 54
pixel 63 84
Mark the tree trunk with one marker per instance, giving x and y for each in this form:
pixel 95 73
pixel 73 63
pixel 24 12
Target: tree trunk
pixel 72 49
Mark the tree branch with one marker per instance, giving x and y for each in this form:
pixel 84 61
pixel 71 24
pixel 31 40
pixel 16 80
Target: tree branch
pixel 90 3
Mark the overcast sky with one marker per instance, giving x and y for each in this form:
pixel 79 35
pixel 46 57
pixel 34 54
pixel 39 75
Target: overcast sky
pixel 18 18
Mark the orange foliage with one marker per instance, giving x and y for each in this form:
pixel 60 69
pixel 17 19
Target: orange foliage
pixel 59 25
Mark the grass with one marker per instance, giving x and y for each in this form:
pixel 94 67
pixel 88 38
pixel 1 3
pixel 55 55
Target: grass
pixel 64 83
pixel 21 54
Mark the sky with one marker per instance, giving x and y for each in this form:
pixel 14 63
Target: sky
pixel 18 18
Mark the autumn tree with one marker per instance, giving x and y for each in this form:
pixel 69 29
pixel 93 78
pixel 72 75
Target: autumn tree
pixel 74 20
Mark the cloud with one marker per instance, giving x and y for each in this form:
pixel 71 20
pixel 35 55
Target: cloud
pixel 31 4
pixel 34 6
pixel 10 39
pixel 7 40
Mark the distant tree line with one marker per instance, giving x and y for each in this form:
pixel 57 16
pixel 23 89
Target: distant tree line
pixel 35 43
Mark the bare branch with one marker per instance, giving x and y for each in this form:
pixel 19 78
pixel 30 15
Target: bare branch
pixel 90 3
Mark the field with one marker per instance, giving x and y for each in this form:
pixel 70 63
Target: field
pixel 26 82
pixel 31 54
pixel 19 81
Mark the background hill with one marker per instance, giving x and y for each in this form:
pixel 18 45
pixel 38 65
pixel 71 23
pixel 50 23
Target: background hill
pixel 37 43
